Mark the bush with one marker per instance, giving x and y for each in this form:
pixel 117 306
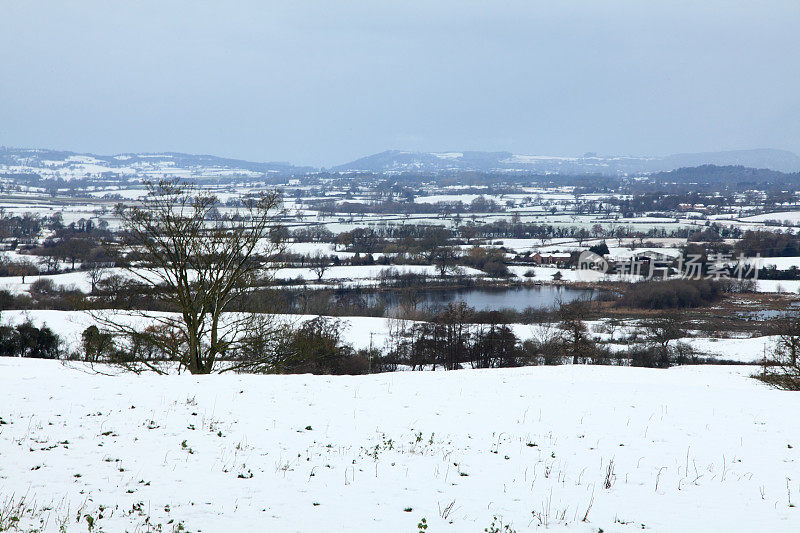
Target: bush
pixel 97 346
pixel 495 269
pixel 316 347
pixel 671 294
pixel 6 299
pixel 43 287
pixel 26 340
pixel 782 368
pixel 600 249
pixel 647 356
pixel 17 268
pixel 490 260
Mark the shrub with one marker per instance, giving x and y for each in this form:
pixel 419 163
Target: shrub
pixel 10 267
pixel 671 294
pixel 97 346
pixel 600 249
pixel 26 340
pixel 782 368
pixel 43 287
pixel 490 260
pixel 316 347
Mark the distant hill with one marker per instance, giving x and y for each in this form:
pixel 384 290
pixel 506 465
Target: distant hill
pixel 44 164
pixel 780 160
pixel 728 175
pixel 400 161
pixel 54 164
pixel 403 161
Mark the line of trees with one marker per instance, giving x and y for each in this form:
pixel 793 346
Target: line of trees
pixel 453 340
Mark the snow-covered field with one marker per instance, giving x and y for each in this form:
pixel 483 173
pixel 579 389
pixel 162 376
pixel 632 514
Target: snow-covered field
pixel 778 285
pixel 360 331
pixel 575 448
pixel 365 272
pixel 363 332
pixel 362 275
pixel 792 216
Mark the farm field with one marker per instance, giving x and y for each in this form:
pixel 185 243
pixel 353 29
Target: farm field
pixel 571 448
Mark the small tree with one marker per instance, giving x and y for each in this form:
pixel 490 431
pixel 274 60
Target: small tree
pixel 319 265
pixel 446 260
pixel 575 341
pixel 96 345
pixel 316 347
pixel 97 266
pixel 22 268
pixel 782 368
pixel 96 273
pixel 663 329
pixel 198 264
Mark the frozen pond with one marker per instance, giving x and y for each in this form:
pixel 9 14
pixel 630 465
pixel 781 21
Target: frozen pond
pixel 488 299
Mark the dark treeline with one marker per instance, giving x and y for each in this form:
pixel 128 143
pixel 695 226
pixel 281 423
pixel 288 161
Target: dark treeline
pixel 27 340
pixel 731 177
pixel 454 338
pixel 389 206
pixel 671 294
pixel 768 244
pixel 703 178
pixel 419 237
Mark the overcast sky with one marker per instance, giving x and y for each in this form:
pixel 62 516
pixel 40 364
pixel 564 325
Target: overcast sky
pixel 323 83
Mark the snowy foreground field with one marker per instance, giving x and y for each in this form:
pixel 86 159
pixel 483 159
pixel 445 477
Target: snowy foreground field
pixel 572 448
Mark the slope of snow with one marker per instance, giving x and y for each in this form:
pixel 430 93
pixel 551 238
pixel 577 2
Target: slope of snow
pixel 580 448
pixel 778 285
pixel 792 216
pixel 365 272
pixel 747 350
pixel 780 263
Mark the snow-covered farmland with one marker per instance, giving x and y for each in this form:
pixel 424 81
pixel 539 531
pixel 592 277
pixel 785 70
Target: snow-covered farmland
pixel 575 448
pixel 792 216
pixel 364 272
pixel 778 285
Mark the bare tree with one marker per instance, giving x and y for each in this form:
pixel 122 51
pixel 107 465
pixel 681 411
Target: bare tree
pixel 97 272
pixel 198 262
pixel 782 367
pixel 620 233
pixel 22 268
pixel 581 235
pixel 51 259
pixel 97 265
pixel 434 239
pixel 319 264
pixel 446 260
pixel 663 329
pixel 576 343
